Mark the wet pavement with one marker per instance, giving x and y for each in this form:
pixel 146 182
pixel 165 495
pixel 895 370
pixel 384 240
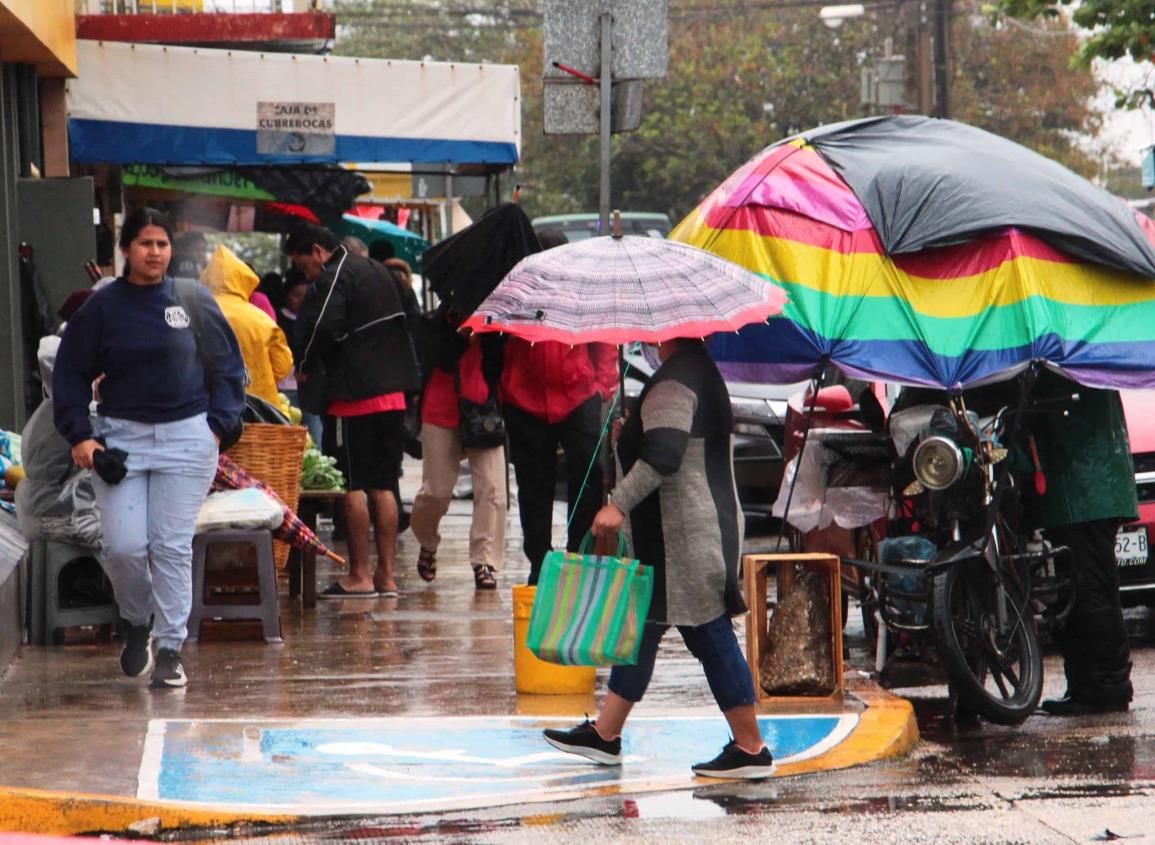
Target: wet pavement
pixel 1048 781
pixel 383 676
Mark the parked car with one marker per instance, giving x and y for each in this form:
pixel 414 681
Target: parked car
pixel 1133 541
pixel 578 227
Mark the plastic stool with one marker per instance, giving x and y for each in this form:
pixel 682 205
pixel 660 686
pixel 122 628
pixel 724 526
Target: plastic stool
pixel 267 611
pixel 46 618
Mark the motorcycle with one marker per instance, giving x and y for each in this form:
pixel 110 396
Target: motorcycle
pixel 955 578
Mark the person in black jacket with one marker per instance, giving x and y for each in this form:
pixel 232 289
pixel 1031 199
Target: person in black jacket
pixel 353 322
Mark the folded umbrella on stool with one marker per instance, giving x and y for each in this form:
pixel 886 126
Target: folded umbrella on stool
pixel 292 530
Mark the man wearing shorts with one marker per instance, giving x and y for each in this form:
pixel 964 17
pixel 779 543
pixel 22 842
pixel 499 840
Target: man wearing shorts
pixel 353 322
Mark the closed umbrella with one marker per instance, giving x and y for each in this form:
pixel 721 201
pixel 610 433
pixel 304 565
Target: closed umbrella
pixel 230 476
pixel 465 268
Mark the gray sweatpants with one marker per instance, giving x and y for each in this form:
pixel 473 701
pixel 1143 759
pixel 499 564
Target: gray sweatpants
pixel 149 518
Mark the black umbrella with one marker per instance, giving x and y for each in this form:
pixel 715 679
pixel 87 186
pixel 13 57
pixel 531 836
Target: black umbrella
pixel 465 268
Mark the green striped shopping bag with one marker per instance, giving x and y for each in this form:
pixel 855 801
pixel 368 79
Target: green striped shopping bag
pixel 589 609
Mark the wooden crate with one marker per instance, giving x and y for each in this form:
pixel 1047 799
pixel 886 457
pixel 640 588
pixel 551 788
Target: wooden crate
pixel 785 568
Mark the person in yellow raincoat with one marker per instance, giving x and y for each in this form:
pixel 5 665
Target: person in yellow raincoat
pixel 263 344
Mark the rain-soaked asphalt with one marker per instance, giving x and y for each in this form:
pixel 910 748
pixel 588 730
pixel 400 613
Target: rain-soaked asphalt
pixel 68 722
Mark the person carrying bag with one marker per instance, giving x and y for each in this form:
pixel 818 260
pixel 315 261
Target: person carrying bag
pixel 460 417
pixel 589 610
pixel 677 486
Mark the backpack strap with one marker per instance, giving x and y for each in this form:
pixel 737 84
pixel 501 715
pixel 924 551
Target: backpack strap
pixel 186 293
pixel 185 290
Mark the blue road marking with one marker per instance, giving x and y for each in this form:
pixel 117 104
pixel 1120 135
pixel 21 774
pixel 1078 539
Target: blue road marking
pixel 389 765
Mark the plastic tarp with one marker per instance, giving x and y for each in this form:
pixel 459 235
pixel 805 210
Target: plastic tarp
pixel 145 104
pixel 927 182
pixel 56 499
pixel 248 508
pixel 816 504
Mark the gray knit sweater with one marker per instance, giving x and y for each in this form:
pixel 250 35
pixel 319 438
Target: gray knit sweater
pixel 679 494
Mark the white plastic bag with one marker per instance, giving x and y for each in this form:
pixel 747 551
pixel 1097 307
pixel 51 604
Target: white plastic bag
pixel 249 508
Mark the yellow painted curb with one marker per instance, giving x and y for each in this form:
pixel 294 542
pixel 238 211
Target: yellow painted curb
pixel 886 728
pixel 45 811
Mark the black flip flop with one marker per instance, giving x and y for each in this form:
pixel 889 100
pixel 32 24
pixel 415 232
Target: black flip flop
pixel 336 591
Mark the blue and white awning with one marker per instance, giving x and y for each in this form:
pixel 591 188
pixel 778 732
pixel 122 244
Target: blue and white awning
pixel 145 104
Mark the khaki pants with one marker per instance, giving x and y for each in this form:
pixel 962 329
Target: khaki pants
pixel 441 452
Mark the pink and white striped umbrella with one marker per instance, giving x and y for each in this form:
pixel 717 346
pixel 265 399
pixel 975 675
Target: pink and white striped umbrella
pixel 618 290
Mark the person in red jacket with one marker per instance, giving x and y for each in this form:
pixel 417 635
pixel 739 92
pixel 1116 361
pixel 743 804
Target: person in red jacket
pixel 552 396
pixel 466 368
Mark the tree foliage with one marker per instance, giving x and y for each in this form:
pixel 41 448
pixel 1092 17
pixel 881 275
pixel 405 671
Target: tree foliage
pixel 1020 84
pixel 1117 28
pixel 742 76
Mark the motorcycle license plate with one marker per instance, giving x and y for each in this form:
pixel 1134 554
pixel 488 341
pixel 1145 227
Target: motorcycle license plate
pixel 1131 546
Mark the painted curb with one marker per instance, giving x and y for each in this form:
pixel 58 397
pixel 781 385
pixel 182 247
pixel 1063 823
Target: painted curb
pixel 886 729
pixel 46 811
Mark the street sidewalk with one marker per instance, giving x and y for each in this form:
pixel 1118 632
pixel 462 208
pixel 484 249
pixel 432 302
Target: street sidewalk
pixel 370 706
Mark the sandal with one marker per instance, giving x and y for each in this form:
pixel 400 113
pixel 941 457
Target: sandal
pixel 485 577
pixel 427 564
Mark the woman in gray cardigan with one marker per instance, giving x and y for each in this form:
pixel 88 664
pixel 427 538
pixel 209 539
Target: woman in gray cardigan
pixel 685 522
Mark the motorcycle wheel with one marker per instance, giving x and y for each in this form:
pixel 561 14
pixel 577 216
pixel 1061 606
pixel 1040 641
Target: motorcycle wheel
pixel 997 674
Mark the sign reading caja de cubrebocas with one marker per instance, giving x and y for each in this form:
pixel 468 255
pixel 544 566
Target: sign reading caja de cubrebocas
pixel 147 104
pixel 296 129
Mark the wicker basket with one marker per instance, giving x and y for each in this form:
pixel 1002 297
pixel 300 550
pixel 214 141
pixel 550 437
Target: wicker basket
pixel 273 454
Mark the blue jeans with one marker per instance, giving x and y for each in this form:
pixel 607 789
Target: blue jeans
pixel 716 648
pixel 149 518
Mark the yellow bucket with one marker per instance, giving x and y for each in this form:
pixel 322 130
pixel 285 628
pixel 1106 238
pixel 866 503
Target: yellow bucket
pixel 536 676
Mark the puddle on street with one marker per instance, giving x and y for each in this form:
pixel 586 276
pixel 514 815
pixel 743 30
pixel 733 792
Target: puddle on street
pixel 1105 758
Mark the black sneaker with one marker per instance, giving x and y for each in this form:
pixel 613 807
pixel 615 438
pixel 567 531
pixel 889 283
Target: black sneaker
pixel 169 672
pixel 136 656
pixel 587 742
pixel 1068 706
pixel 733 762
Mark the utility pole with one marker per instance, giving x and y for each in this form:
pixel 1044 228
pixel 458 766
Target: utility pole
pixel 942 10
pixel 606 22
pixel 923 63
pixel 932 58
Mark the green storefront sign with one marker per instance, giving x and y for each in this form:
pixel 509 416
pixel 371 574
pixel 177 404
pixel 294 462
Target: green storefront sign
pixel 221 183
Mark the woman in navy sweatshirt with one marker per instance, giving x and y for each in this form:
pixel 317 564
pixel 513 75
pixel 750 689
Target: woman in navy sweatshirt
pixel 170 386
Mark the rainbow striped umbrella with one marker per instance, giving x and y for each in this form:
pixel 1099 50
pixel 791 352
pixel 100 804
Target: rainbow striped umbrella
pixel 928 252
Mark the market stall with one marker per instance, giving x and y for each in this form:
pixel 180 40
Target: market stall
pixel 280 126
pixel 144 104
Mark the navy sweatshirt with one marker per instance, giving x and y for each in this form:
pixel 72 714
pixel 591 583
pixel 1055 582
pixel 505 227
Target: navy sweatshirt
pixel 140 337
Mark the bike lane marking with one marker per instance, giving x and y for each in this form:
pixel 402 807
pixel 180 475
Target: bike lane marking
pixel 441 763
